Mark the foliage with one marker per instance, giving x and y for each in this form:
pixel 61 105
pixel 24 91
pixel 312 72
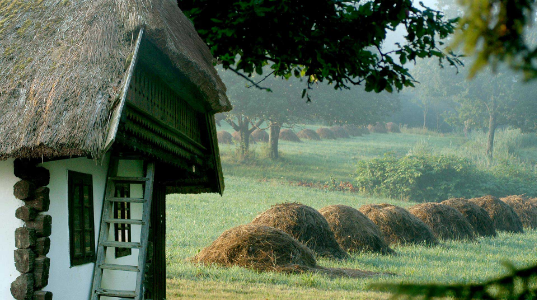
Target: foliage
pixel 421 178
pixel 332 41
pixel 494 31
pixel 519 284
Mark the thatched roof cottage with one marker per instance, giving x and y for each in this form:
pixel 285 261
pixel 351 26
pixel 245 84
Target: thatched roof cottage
pixel 106 106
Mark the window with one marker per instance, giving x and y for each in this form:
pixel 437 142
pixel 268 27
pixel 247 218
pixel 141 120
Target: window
pixel 81 221
pixel 122 210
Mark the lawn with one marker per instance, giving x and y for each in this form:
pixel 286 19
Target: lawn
pixel 194 221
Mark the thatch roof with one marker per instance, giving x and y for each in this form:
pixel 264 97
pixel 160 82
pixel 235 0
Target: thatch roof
pixel 64 65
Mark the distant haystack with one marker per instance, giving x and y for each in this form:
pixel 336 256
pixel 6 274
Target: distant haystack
pixel 354 231
pixel 260 136
pixel 305 224
pixel 326 134
pixel 353 130
pixel 377 128
pixel 308 134
pixel 525 209
pixel 502 215
pixel 392 127
pixel 289 135
pixel 398 225
pixel 340 132
pixel 224 137
pixel 446 222
pixel 475 215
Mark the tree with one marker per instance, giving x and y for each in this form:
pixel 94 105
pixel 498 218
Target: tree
pixel 284 106
pixel 495 31
pixel 334 41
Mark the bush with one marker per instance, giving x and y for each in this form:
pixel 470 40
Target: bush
pixel 422 178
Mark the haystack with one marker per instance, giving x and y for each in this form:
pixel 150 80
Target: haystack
pixel 224 137
pixel 502 215
pixel 260 136
pixel 308 134
pixel 446 222
pixel 340 132
pixel 326 134
pixel 398 225
pixel 377 128
pixel 265 248
pixel 354 231
pixel 525 209
pixel 305 224
pixel 475 215
pixel 289 135
pixel 353 130
pixel 392 127
pixel 258 247
pixel 237 137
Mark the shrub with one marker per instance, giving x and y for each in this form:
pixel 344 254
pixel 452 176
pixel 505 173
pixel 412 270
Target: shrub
pixel 423 178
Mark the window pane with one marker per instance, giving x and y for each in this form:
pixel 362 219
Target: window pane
pixel 76 219
pixel 88 245
pixel 87 197
pixel 76 196
pixel 88 223
pixel 78 243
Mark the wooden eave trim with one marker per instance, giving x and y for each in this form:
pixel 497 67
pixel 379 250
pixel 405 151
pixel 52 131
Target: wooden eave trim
pixel 116 115
pixel 174 131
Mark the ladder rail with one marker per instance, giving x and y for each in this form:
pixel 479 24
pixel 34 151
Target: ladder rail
pixel 144 237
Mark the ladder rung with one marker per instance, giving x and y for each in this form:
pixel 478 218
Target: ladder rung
pixel 116 293
pixel 131 200
pixel 120 244
pixel 120 267
pixel 129 179
pixel 125 221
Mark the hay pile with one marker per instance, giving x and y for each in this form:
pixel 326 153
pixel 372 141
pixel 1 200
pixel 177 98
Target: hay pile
pixel 392 127
pixel 525 209
pixel 354 231
pixel 340 132
pixel 308 134
pixel 326 134
pixel 446 222
pixel 265 248
pixel 305 224
pixel 475 215
pixel 399 226
pixel 224 137
pixel 289 135
pixel 260 136
pixel 377 128
pixel 257 247
pixel 502 215
pixel 353 130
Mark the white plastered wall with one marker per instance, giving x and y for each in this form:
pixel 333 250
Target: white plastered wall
pixel 8 206
pixel 66 282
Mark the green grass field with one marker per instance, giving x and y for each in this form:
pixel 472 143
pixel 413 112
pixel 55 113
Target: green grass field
pixel 194 221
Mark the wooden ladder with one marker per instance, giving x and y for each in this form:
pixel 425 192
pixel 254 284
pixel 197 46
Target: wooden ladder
pixel 107 219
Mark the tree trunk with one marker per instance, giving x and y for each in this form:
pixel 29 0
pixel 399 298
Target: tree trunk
pixel 245 139
pixel 425 111
pixel 492 130
pixel 274 136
